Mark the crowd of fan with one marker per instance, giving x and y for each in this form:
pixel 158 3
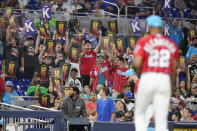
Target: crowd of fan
pixel 98 71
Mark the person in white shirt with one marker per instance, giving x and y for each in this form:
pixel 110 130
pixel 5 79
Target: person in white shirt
pixel 73 81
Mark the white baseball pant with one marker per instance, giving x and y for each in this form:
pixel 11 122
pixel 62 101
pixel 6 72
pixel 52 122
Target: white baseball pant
pixel 153 88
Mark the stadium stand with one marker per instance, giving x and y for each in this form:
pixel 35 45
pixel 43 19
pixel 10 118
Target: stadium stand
pixel 47 47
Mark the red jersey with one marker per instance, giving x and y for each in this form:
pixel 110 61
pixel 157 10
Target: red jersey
pixel 2 85
pixel 87 62
pixel 119 78
pixel 157 52
pixel 95 73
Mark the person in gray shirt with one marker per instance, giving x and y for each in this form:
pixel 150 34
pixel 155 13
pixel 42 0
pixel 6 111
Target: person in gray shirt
pixel 73 106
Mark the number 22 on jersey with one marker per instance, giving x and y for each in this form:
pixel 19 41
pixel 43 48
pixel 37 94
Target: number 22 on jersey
pixel 159 58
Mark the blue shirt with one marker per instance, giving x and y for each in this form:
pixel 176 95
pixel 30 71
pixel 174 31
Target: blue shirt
pixel 105 108
pixel 192 50
pixel 175 34
pixel 7 97
pixel 101 79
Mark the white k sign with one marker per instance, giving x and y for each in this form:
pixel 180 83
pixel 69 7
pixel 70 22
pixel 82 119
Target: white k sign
pixel 29 27
pixel 46 12
pixel 166 30
pixel 167 4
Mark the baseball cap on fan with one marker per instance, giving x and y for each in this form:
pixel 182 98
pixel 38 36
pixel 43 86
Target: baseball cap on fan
pixel 9 83
pixel 154 21
pixel 128 94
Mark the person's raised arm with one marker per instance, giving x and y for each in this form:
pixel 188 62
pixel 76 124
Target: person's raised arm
pixel 182 19
pixel 188 79
pixel 166 17
pixel 8 33
pixel 22 64
pixel 177 77
pixel 23 36
pixel 54 34
pixel 67 45
pixel 37 43
pixel 99 42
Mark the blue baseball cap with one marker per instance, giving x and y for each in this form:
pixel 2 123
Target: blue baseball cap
pixel 100 55
pixel 150 129
pixel 9 83
pixel 128 94
pixel 130 72
pixel 154 21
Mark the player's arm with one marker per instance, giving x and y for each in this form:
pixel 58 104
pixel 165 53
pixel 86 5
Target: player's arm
pixel 137 63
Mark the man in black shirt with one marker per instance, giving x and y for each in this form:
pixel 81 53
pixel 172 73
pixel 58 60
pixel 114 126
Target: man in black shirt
pixel 29 58
pixel 192 67
pixel 73 107
pixel 13 54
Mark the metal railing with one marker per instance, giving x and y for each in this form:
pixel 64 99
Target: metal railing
pixel 31 119
pixel 23 123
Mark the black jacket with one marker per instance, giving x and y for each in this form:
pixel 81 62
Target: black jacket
pixel 71 109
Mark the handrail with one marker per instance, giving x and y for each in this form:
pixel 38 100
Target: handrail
pixel 39 107
pixel 17 107
pixel 126 9
pixel 24 96
pixel 116 7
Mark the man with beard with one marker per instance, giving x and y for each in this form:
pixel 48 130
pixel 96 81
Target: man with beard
pixel 88 57
pixel 73 107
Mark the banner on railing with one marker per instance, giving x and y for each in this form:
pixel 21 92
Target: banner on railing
pixel 44 100
pixel 106 44
pixel 120 43
pixel 95 26
pixel 113 26
pixel 135 26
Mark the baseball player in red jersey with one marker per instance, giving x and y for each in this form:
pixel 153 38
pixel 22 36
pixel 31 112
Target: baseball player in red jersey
pixel 131 74
pixel 156 59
